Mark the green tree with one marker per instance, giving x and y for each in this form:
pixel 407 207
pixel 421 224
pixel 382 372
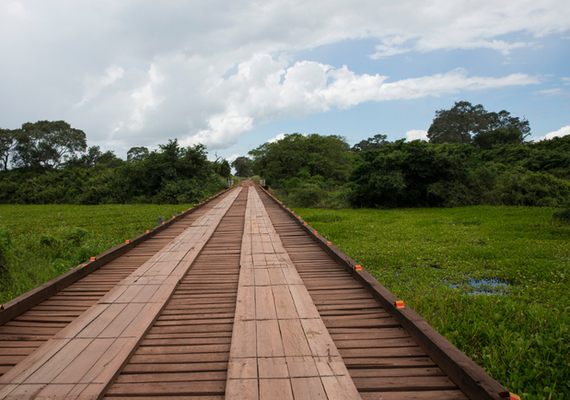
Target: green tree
pixel 373 143
pixel 225 171
pixel 458 124
pixel 297 155
pixel 414 174
pixel 466 123
pixel 7 144
pixel 137 154
pixel 47 144
pixel 242 166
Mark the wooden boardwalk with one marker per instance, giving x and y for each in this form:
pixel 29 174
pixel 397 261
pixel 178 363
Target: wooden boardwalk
pixel 236 299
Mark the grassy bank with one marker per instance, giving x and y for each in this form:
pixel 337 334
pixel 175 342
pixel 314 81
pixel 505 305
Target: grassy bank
pixel 40 242
pixel 492 280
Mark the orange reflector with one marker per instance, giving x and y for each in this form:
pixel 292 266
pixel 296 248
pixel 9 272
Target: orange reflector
pixel 358 267
pixel 315 232
pixel 514 396
pixel 163 222
pixel 399 304
pixel 329 243
pixel 127 241
pixel 293 212
pixel 147 231
pixel 92 259
pixel 304 223
pixel 174 216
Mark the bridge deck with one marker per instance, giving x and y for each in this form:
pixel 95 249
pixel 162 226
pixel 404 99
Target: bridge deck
pixel 235 300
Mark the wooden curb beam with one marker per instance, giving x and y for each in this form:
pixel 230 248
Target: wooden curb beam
pixel 463 371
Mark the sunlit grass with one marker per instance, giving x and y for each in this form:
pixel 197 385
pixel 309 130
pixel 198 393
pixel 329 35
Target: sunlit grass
pixel 443 263
pixel 41 242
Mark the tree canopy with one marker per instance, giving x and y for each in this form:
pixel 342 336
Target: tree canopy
pixel 466 123
pixel 47 144
pixel 301 156
pixel 242 166
pixel 373 143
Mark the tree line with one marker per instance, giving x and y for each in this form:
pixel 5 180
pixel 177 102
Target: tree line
pixel 473 157
pixel 49 162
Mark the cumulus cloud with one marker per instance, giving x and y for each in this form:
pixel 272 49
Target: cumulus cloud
pixel 277 138
pixel 564 131
pixel 416 134
pixel 263 89
pixel 140 72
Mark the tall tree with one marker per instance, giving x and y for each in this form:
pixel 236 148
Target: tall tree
pixel 137 154
pixel 466 123
pixel 7 144
pixel 297 155
pixel 47 144
pixel 242 166
pixel 458 124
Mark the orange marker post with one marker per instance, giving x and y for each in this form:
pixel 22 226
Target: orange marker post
pixel 315 232
pixel 127 241
pixel 358 267
pixel 147 231
pixel 304 223
pixel 92 259
pixel 399 304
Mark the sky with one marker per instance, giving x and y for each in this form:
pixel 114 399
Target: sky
pixel 235 74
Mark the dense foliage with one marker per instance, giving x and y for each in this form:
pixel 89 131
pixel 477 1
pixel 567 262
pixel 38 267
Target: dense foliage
pixel 312 170
pixel 420 174
pixel 466 123
pixel 171 174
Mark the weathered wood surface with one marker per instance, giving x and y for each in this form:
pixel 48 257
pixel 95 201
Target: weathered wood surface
pixel 185 354
pixel 83 358
pixel 280 347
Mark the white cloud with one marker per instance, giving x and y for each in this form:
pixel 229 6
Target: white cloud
pixel 565 80
pixel 549 92
pixel 262 89
pixel 232 158
pixel 564 131
pixel 140 72
pixel 416 134
pixel 277 138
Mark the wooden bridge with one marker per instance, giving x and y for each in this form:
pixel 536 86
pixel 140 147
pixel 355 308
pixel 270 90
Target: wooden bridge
pixel 235 298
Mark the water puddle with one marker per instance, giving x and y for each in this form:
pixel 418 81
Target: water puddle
pixel 484 286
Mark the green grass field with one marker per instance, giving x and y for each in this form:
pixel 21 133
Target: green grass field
pixel 41 242
pixel 493 280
